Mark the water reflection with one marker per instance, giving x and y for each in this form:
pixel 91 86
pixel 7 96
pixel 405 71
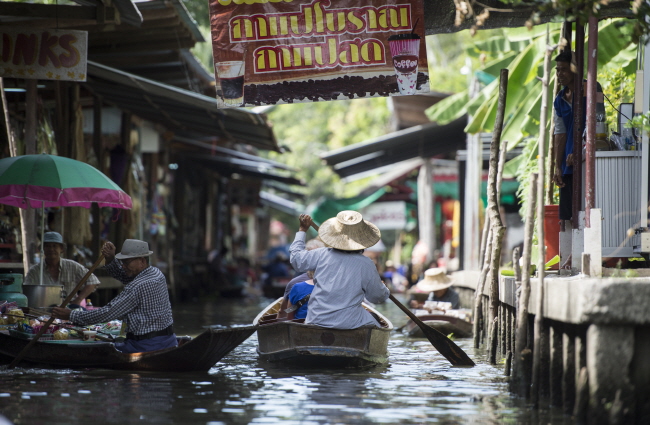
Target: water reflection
pixel 418 386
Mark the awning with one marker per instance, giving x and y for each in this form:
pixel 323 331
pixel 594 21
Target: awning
pixel 178 109
pixel 424 141
pixel 281 204
pixel 227 166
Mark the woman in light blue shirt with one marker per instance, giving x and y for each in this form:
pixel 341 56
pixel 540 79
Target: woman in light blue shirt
pixel 344 275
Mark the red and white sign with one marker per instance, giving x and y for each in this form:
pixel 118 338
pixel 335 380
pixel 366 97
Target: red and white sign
pixel 43 54
pixel 386 215
pixel 269 52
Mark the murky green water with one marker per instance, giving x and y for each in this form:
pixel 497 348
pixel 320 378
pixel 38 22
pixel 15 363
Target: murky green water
pixel 417 387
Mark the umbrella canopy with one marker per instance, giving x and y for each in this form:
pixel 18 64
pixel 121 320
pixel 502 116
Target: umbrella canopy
pixel 55 181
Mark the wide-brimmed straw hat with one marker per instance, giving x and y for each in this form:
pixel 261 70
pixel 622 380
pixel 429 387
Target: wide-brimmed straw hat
pixel 435 279
pixel 133 248
pixel 348 231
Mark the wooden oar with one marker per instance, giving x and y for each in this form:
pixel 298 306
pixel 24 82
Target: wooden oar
pixel 47 324
pixel 452 352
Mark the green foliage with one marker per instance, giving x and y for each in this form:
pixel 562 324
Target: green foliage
pixel 310 129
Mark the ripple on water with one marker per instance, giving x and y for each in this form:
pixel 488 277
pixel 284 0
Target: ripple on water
pixel 418 386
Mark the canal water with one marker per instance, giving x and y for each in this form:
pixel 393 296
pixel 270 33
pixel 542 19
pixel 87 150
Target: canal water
pixel 418 386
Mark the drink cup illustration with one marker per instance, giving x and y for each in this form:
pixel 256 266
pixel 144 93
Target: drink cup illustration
pixel 231 77
pixel 405 50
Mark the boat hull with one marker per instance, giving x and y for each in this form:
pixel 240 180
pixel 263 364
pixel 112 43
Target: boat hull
pixel 303 344
pixel 445 324
pixel 192 354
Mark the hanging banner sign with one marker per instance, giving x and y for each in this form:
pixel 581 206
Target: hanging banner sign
pixel 386 215
pixel 269 52
pixel 43 54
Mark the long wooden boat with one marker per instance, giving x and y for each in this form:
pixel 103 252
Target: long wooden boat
pixel 301 344
pixel 446 324
pixel 191 355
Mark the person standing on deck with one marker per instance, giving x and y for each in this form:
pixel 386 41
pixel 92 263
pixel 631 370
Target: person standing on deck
pixel 144 301
pixel 344 276
pixel 564 145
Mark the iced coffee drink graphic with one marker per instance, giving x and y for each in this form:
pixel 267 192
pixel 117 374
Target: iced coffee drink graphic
pixel 231 78
pixel 405 50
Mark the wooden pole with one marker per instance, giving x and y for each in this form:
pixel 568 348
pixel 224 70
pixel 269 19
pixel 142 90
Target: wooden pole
pixel 578 126
pixel 590 160
pixel 521 375
pixel 478 296
pixel 496 225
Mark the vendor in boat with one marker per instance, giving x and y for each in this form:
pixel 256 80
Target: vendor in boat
pixel 344 275
pixel 61 271
pixel 436 282
pixel 302 277
pixel 143 303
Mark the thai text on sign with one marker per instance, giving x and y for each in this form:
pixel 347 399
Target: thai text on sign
pixel 43 54
pixel 269 52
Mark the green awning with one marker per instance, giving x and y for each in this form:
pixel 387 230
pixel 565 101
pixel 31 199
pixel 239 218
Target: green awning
pixel 330 207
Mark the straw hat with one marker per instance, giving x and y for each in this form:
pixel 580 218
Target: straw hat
pixel 348 231
pixel 133 248
pixel 435 279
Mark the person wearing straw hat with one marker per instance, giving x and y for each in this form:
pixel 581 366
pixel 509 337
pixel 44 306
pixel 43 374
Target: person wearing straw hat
pixel 343 275
pixel 436 282
pixel 144 301
pixel 61 271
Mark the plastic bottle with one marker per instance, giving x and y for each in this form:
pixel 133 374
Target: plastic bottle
pixel 602 143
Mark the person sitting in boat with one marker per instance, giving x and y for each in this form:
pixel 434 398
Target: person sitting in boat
pixel 143 303
pixel 299 297
pixel 345 275
pixel 311 244
pixel 61 271
pixel 436 282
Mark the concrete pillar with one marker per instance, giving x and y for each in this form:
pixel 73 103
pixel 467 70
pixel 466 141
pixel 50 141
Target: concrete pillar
pixel 640 372
pixel 565 242
pixel 593 244
pixel 578 243
pixel 557 365
pixel 544 362
pixel 609 356
pixel 569 372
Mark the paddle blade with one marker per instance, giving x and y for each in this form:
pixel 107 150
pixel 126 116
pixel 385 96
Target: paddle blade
pixel 445 346
pixel 453 353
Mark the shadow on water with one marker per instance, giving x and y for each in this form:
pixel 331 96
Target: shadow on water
pixel 418 386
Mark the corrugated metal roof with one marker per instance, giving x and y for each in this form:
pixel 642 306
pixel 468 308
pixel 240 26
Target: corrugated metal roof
pixel 178 109
pixel 424 141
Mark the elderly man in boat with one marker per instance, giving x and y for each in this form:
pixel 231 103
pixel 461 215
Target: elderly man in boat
pixel 61 271
pixel 344 276
pixel 436 284
pixel 144 301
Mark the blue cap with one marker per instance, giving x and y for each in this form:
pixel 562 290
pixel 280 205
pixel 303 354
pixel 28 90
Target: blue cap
pixel 53 237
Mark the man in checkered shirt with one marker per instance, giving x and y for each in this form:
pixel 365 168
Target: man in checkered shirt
pixel 144 302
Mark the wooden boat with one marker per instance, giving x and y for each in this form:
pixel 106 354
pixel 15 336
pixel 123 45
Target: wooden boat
pixel 191 355
pixel 446 324
pixel 300 344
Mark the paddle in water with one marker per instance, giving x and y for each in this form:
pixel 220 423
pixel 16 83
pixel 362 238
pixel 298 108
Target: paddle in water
pixel 452 352
pixel 47 324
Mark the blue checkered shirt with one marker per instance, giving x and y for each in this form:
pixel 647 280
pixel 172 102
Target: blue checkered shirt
pixel 144 302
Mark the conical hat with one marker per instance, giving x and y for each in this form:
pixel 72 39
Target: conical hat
pixel 435 279
pixel 348 231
